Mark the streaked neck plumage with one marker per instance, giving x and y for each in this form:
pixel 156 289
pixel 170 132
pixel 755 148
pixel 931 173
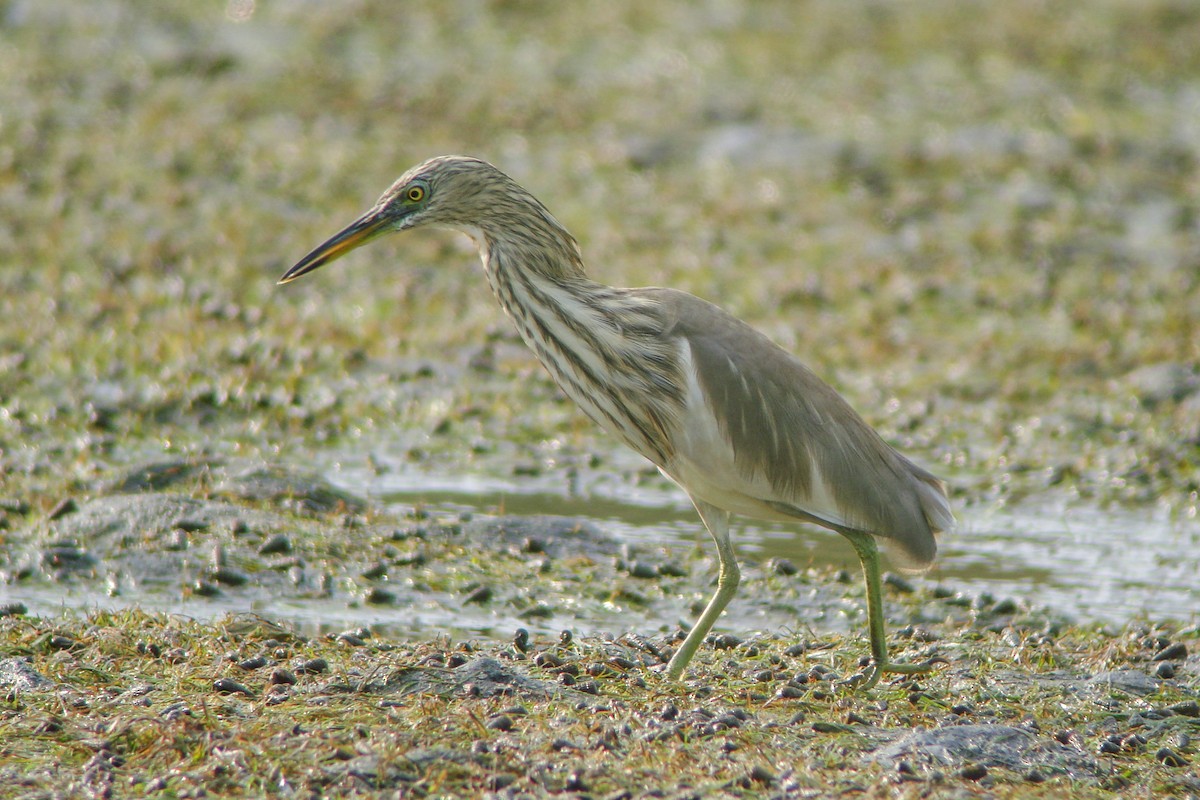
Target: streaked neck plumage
pixel 606 348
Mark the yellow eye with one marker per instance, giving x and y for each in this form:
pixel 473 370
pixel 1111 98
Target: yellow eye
pixel 415 194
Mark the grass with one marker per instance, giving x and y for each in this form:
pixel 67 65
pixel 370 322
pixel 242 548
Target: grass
pixel 150 705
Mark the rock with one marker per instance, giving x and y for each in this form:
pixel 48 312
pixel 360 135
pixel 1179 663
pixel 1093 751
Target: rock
pixel 277 485
pixel 17 676
pixel 988 746
pixel 559 536
pixel 480 678
pixel 159 475
pixel 1130 681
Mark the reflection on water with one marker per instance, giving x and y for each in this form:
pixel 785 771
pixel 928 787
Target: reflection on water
pixel 1108 565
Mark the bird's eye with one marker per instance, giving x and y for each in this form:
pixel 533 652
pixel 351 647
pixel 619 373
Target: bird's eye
pixel 415 194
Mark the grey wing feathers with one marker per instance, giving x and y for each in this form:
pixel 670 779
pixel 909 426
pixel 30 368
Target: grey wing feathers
pixel 788 426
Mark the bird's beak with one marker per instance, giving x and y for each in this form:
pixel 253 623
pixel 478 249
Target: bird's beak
pixel 356 234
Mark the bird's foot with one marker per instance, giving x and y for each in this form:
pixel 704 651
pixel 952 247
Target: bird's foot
pixel 874 671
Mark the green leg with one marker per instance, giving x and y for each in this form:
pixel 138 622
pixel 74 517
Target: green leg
pixel 868 554
pixel 717 522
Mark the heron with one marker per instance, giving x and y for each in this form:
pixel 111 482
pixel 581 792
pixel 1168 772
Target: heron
pixel 740 424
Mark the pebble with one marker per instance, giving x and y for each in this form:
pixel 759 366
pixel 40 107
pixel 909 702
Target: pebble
pixel 1170 758
pixel 547 660
pixel 230 686
pixel 783 566
pixel 973 772
pixel 725 641
pixel 313 666
pixel 275 545
pixel 761 774
pixel 379 597
pixel 253 663
pixel 1172 652
pixel 63 508
pixel 480 594
pixel 283 676
pixel 642 569
pixel 1188 708
pixel 501 722
pixel 376 571
pixel 229 576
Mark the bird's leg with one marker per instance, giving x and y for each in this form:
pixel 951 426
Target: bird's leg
pixel 868 554
pixel 717 522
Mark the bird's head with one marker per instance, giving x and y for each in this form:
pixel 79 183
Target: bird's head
pixel 451 191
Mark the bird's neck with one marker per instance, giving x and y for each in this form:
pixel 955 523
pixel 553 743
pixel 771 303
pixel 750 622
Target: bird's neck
pixel 606 348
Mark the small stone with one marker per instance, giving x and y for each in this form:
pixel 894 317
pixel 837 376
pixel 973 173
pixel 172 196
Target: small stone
pixel 502 781
pixel 900 584
pixel 379 597
pixel 480 595
pixel 313 666
pixel 1005 606
pixel 1188 708
pixel 547 660
pixel 725 641
pixel 783 566
pixel 501 722
pixel 63 508
pixel 375 572
pixel 1170 758
pixel 1165 670
pixel 283 677
pixel 256 662
pixel 642 569
pixel 760 774
pixel 1172 652
pixel 175 711
pixel 276 545
pixel 230 686
pixel 973 772
pixel 229 576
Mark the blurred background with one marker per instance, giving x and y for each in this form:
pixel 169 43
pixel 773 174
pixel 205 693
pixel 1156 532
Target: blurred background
pixel 977 220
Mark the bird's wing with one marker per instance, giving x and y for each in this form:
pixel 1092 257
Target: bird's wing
pixel 791 441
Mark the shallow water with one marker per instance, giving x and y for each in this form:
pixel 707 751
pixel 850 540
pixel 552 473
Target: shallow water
pixel 1090 564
